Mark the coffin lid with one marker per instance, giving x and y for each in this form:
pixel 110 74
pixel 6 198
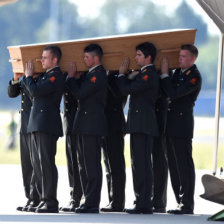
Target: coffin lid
pixel 116 48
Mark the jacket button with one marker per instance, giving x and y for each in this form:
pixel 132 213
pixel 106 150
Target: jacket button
pixel 85 112
pixel 41 110
pixel 169 109
pixel 22 101
pixel 22 109
pixel 66 101
pixel 136 111
pixel 157 109
pixel 181 114
pixel 66 110
pixel 66 94
pixel 23 94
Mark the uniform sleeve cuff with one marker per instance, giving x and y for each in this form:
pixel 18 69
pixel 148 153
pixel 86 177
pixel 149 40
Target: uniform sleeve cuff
pixel 14 82
pixel 163 76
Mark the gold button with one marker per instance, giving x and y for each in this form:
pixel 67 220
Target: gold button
pixel 66 110
pixel 22 109
pixel 136 111
pixel 181 114
pixel 22 101
pixel 23 94
pixel 66 94
pixel 41 110
pixel 85 112
pixel 169 109
pixel 66 101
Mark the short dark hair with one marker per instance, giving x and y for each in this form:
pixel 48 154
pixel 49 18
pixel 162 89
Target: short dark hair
pixel 147 48
pixel 191 48
pixel 55 51
pixel 94 48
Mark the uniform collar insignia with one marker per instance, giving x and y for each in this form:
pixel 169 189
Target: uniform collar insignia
pixel 93 69
pixel 193 81
pixel 145 77
pixel 51 69
pixel 52 79
pixel 93 79
pixel 144 67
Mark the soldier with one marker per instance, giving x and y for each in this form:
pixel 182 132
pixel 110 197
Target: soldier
pixel 182 89
pixel 141 122
pixel 113 147
pixel 90 124
pixel 45 125
pixel 70 107
pixel 15 89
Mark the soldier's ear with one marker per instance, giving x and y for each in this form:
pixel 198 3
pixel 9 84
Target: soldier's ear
pixel 55 60
pixel 149 58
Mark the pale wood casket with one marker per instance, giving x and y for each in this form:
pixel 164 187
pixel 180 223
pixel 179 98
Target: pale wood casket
pixel 115 48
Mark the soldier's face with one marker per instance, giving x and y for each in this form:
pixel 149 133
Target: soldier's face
pixel 47 60
pixel 140 59
pixel 186 60
pixel 89 59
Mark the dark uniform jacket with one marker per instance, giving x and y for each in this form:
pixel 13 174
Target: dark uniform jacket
pixel 47 93
pixel 26 103
pixel 182 89
pixel 90 92
pixel 161 111
pixel 143 92
pixel 114 107
pixel 70 108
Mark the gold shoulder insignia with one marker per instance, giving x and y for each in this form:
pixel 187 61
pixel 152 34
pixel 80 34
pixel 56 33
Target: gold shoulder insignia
pixel 144 70
pixel 188 72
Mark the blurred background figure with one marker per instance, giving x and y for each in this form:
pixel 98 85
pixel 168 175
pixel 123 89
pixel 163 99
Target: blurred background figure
pixel 11 144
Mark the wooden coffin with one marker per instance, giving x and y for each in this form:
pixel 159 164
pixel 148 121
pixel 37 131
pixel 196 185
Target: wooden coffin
pixel 5 2
pixel 115 48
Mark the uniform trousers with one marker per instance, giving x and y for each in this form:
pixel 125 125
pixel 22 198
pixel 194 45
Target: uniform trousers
pixel 89 158
pixel 45 170
pixel 141 152
pixel 160 172
pixel 182 171
pixel 113 152
pixel 27 167
pixel 73 169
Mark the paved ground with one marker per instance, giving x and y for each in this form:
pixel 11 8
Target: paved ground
pixel 11 196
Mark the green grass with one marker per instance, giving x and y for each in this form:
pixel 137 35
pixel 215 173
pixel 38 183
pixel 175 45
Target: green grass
pixel 13 156
pixel 202 151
